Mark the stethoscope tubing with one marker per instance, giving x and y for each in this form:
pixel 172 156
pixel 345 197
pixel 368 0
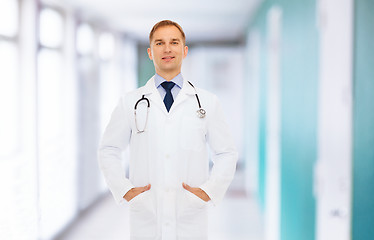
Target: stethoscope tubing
pixel 200 112
pixel 141 99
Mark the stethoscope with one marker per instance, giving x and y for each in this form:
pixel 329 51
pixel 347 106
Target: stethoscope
pixel 200 112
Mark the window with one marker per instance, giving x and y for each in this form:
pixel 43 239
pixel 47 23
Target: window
pixel 9 98
pixel 51 28
pixel 9 18
pixel 56 127
pixel 85 40
pixel 9 85
pixel 17 206
pixel 106 46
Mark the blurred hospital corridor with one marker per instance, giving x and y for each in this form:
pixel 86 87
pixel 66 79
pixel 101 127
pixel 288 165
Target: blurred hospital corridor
pixel 294 79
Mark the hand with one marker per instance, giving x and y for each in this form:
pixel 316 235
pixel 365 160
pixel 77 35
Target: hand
pixel 197 191
pixel 133 192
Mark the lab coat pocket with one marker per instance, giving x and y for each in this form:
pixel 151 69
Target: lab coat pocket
pixel 195 201
pixel 192 133
pixel 143 215
pixel 192 216
pixel 138 198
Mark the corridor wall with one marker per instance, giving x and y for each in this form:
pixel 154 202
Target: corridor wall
pixel 299 79
pixel 363 127
pixel 298 114
pixel 145 65
pixel 257 76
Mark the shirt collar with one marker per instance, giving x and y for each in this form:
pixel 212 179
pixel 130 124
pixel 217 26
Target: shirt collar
pixel 178 80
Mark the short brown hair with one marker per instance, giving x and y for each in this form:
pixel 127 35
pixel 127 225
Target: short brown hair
pixel 165 23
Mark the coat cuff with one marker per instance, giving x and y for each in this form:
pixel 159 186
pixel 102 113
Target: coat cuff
pixel 215 190
pixel 118 194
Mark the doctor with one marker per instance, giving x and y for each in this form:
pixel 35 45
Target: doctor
pixel 169 186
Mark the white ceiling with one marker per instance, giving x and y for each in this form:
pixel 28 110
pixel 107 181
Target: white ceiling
pixel 202 20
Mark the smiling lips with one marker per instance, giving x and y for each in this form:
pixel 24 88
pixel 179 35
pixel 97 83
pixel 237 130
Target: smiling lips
pixel 168 58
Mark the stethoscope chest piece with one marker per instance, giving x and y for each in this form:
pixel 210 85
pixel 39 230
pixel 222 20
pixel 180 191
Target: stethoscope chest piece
pixel 201 113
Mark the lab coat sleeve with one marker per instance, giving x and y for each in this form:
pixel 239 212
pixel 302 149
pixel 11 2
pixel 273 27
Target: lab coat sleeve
pixel 115 139
pixel 224 155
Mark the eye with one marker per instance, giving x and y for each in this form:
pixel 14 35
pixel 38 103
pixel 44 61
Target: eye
pixel 174 43
pixel 158 43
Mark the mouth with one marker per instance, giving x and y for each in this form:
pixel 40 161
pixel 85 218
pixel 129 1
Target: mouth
pixel 168 58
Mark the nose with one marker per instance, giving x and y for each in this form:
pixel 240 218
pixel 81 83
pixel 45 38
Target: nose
pixel 167 48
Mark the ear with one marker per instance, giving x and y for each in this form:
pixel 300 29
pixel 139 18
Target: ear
pixel 185 51
pixel 149 51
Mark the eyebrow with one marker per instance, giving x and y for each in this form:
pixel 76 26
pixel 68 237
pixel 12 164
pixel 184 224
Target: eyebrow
pixel 173 40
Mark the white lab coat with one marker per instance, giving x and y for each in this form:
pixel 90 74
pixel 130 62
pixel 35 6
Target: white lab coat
pixel 172 150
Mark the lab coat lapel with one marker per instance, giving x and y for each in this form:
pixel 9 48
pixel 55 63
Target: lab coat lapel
pixel 154 96
pixel 186 91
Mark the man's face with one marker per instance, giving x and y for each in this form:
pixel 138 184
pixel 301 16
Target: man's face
pixel 167 51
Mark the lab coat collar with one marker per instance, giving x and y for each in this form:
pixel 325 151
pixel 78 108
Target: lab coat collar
pixel 151 91
pixel 186 91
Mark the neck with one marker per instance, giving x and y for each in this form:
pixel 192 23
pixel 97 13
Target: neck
pixel 168 76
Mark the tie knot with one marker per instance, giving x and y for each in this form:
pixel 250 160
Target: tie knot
pixel 167 85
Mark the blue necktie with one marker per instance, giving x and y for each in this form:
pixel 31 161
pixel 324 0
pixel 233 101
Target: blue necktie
pixel 168 99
